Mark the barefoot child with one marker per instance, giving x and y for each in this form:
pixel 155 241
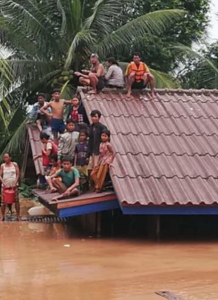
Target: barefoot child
pixel 57 108
pixel 68 141
pixel 49 149
pixel 82 159
pixel 69 186
pixel 106 157
pixel 55 167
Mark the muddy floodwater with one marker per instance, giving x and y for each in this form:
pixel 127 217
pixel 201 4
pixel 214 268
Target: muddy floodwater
pixel 40 261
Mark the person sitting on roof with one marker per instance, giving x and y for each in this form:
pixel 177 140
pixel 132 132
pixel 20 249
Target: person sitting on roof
pixel 69 184
pixel 42 120
pixel 95 77
pixel 138 76
pixel 114 76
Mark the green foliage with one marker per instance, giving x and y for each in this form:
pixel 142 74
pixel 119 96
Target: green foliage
pixel 201 68
pixel 155 49
pixel 26 191
pixel 46 38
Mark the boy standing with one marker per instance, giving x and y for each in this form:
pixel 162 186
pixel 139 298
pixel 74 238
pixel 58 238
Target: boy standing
pixel 68 140
pixel 95 133
pixel 81 159
pixel 57 108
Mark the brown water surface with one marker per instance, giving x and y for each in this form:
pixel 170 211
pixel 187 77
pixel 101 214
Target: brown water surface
pixel 39 261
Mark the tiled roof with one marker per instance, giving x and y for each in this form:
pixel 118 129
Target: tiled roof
pixel 166 148
pixel 36 147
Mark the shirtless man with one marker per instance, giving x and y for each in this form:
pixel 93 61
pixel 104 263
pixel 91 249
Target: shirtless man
pixel 93 77
pixel 57 110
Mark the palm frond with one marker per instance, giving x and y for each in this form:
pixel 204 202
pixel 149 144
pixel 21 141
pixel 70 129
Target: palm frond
pixel 152 24
pixel 191 53
pixel 84 38
pixel 16 141
pixel 105 14
pixel 163 80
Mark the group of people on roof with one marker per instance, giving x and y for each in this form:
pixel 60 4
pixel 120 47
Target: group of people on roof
pixel 75 152
pixel 137 75
pixel 76 155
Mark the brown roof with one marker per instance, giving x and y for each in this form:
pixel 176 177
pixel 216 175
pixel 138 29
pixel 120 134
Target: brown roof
pixel 166 149
pixel 36 147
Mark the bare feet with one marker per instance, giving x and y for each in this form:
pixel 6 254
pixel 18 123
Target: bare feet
pixel 92 92
pixel 2 219
pixel 128 95
pixel 53 190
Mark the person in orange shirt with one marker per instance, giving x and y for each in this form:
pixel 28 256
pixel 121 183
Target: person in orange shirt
pixel 138 76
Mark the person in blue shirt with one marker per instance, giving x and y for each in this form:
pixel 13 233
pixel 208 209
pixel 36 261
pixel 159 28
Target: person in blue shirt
pixel 42 120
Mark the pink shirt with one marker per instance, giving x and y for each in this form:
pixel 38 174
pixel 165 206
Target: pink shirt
pixel 105 156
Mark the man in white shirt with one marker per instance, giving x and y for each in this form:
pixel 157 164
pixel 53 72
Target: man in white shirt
pixel 114 76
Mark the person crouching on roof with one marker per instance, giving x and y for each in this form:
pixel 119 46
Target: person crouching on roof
pixel 93 77
pixel 138 76
pixel 106 157
pixel 70 180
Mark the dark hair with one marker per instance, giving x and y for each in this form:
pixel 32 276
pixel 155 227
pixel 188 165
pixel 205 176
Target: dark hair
pixel 83 131
pixel 95 112
pixel 54 157
pixel 44 135
pixel 56 91
pixel 108 133
pixel 112 60
pixel 67 158
pixel 137 54
pixel 41 95
pixel 68 121
pixel 9 154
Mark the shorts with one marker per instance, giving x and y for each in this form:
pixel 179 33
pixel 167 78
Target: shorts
pixel 101 83
pixel 93 161
pixel 138 85
pixel 3 196
pixel 57 125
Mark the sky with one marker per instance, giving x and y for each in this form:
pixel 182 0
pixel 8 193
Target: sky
pixel 213 30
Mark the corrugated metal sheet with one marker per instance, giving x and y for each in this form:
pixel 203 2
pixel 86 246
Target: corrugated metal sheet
pixel 166 149
pixel 36 147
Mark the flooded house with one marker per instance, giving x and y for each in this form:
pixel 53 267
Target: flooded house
pixel 165 155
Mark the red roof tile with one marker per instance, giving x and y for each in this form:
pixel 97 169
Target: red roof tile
pixel 166 149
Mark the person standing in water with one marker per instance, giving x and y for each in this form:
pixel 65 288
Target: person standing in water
pixel 9 178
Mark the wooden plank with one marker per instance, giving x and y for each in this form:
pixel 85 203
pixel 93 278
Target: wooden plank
pixel 61 205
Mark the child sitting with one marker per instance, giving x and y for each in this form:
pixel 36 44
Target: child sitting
pixel 69 184
pixel 55 167
pixel 68 141
pixel 106 157
pixel 82 159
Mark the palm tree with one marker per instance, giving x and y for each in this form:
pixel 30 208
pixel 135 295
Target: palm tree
pixel 48 39
pixel 200 68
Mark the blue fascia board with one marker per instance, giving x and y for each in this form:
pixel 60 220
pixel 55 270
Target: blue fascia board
pixel 89 208
pixel 170 210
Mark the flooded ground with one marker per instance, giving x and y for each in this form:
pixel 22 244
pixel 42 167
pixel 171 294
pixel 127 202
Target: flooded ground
pixel 40 261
